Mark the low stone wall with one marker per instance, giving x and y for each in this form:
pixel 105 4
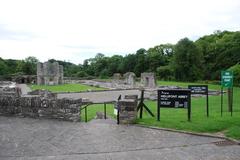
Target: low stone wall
pixel 38 106
pixel 128 109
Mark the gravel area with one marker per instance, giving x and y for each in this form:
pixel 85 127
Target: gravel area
pixel 100 96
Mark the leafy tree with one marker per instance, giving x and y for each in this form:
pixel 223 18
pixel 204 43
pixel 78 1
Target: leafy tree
pixel 114 64
pixel 30 65
pixel 220 51
pixel 165 72
pixel 128 63
pixel 236 73
pixel 141 62
pixel 187 61
pixel 159 56
pixel 3 68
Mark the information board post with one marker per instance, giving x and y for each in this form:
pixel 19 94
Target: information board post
pixel 230 100
pixel 227 82
pixel 207 101
pixel 189 106
pixel 221 101
pixel 141 105
pixel 200 90
pixel 158 108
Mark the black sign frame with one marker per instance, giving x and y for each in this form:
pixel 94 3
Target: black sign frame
pixel 202 90
pixel 180 97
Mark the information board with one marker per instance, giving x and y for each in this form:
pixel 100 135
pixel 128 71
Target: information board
pixel 227 79
pixel 198 89
pixel 174 98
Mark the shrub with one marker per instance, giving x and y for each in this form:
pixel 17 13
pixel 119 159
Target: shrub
pixel 236 74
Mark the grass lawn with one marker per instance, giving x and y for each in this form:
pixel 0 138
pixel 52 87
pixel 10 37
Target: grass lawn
pixel 65 87
pixel 177 118
pixel 92 109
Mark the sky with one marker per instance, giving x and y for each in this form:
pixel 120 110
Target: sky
pixel 75 30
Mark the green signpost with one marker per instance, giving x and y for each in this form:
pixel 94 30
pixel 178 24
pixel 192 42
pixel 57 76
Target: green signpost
pixel 227 82
pixel 227 79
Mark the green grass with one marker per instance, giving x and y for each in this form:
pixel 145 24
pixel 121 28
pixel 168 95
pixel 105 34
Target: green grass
pixel 65 87
pixel 177 118
pixel 93 109
pixel 185 84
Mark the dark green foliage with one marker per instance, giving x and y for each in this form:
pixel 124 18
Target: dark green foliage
pixel 141 62
pixel 165 73
pixel 3 67
pixel 221 50
pixel 187 61
pixel 236 74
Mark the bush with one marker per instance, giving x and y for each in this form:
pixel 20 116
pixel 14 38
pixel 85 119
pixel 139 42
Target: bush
pixel 236 74
pixel 165 73
pixel 81 74
pixel 104 74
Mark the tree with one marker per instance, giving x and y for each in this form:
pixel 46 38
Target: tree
pixel 187 61
pixel 159 56
pixel 236 73
pixel 114 64
pixel 128 63
pixel 165 72
pixel 30 65
pixel 3 68
pixel 220 51
pixel 141 62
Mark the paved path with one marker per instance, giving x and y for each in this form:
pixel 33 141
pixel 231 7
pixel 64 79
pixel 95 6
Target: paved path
pixel 31 139
pixel 100 96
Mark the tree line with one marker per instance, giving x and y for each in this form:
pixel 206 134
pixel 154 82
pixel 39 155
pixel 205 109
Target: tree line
pixel 186 60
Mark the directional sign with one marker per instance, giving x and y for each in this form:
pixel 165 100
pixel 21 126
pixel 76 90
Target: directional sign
pixel 227 79
pixel 198 89
pixel 203 90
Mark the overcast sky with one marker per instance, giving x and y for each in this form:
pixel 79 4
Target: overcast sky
pixel 74 30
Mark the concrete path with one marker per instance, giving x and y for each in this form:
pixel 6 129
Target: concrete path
pixel 31 139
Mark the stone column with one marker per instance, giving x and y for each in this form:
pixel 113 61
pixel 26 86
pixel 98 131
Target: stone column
pixel 127 111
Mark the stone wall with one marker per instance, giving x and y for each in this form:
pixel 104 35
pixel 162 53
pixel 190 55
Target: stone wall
pixel 39 106
pixel 128 109
pixel 148 80
pixel 25 79
pixel 49 73
pixel 130 78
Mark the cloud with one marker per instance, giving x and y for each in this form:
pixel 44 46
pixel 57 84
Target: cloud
pixel 6 34
pixel 74 30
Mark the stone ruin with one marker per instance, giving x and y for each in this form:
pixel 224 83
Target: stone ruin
pixel 25 79
pixel 148 80
pixel 130 78
pixel 8 88
pixel 127 80
pixel 49 73
pixel 37 104
pixel 117 76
